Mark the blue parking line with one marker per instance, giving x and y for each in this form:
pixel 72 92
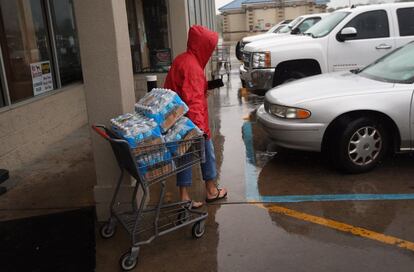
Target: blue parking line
pixel 252 190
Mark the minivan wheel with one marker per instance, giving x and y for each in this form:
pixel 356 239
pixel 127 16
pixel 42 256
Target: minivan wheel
pixel 362 144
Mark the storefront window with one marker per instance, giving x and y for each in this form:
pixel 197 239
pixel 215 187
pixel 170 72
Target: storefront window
pixel 67 45
pixel 149 39
pixel 26 49
pixel 40 48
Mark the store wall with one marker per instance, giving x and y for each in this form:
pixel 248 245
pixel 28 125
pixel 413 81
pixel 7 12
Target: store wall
pixel 293 12
pixel 263 17
pixel 236 22
pixel 27 131
pixel 236 36
pixel 319 9
pixel 237 26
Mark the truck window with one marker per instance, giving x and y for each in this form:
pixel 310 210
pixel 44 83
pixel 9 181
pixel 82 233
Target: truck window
pixel 307 23
pixel 405 21
pixel 370 25
pixel 287 28
pixel 326 25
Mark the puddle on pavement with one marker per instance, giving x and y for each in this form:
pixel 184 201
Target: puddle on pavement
pixel 278 172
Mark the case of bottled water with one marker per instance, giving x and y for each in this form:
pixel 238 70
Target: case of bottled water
pixel 184 129
pixel 137 129
pixel 162 105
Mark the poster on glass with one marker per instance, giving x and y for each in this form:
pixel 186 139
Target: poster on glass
pixel 41 77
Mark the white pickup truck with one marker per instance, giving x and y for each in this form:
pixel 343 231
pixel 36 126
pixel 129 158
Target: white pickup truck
pixel 347 39
pixel 295 27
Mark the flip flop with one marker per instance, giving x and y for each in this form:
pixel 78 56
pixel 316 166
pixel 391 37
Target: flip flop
pixel 218 197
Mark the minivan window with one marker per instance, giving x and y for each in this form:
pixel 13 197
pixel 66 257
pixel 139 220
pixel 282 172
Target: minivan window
pixel 325 26
pixel 396 67
pixel 405 21
pixel 370 25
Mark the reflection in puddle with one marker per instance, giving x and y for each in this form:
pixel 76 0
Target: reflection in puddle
pixel 249 98
pixel 255 160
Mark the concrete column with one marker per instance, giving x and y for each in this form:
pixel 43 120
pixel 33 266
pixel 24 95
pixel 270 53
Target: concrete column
pixel 108 79
pixel 178 15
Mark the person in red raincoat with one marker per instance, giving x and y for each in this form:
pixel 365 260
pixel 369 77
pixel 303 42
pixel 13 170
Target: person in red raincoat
pixel 186 77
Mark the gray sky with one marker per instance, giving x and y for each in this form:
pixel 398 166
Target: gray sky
pixel 333 3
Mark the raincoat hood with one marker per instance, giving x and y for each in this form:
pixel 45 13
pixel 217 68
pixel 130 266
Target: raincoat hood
pixel 201 43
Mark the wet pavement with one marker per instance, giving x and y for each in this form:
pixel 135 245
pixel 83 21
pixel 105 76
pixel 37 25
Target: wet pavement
pixel 62 179
pixel 243 234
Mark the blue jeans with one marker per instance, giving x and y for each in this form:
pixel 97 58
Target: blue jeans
pixel 208 169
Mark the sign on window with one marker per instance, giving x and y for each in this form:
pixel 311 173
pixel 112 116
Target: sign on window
pixel 41 77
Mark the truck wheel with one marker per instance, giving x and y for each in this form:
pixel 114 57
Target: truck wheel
pixel 360 146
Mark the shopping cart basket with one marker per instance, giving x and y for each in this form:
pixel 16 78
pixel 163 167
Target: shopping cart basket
pixel 149 165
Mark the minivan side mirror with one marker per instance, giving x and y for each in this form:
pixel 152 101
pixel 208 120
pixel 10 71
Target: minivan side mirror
pixel 346 34
pixel 295 31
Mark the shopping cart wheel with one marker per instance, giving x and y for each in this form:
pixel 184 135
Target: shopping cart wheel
pixel 183 216
pixel 198 229
pixel 107 231
pixel 127 262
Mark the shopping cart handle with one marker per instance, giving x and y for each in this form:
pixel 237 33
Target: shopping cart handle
pixel 100 129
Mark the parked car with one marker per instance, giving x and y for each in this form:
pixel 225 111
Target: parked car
pixel 353 117
pixel 278 26
pixel 273 29
pixel 294 27
pixel 348 39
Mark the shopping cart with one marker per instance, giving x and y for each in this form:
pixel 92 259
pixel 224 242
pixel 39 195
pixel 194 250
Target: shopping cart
pixel 221 62
pixel 149 165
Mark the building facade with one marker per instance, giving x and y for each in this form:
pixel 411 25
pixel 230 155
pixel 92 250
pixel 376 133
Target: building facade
pixel 248 17
pixel 67 63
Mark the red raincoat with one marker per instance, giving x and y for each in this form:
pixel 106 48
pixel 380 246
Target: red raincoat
pixel 186 76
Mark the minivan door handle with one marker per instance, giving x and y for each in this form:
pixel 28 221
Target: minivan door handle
pixel 383 46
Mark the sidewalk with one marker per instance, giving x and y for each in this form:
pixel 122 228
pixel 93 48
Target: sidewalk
pixel 62 179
